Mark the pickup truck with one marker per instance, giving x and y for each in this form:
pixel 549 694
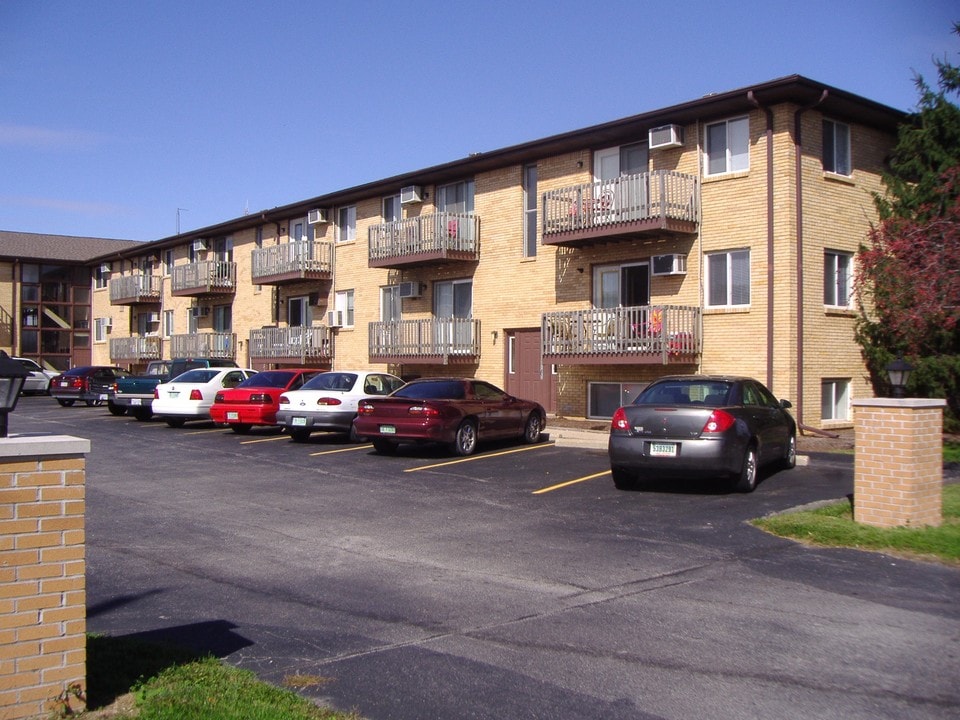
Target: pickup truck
pixel 134 394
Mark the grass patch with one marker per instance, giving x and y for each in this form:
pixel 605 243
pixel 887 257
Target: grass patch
pixel 169 683
pixel 833 526
pixel 951 451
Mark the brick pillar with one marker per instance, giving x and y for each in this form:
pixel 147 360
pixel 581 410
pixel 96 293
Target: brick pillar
pixel 42 574
pixel 898 466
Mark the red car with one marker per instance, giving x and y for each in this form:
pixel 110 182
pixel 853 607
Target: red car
pixel 454 411
pixel 255 401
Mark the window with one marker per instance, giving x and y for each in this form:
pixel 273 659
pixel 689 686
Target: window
pixel 298 311
pixel 728 278
pixel 836 147
pixel 347 224
pixel 530 210
pixel 343 301
pixel 621 285
pixel 101 275
pixel 168 262
pixel 392 210
pixel 167 323
pixel 603 398
pixel 728 146
pixel 148 323
pixel 223 249
pixel 837 278
pixel 835 400
pixel 390 303
pixel 456 197
pixel 100 326
pixel 222 318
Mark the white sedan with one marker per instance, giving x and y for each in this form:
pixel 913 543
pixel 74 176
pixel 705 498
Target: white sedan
pixel 329 401
pixel 38 380
pixel 190 395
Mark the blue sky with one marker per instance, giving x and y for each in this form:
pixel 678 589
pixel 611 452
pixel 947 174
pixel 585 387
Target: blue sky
pixel 115 114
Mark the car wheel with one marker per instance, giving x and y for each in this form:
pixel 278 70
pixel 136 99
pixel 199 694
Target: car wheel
pixel 533 428
pixel 747 480
pixel 65 403
pixel 143 414
pixel 93 403
pixel 623 479
pixel 300 435
pixel 465 441
pixel 116 409
pixel 241 428
pixel 789 460
pixel 384 447
pixel 352 435
pixel 175 422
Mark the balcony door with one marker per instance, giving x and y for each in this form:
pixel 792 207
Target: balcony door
pixel 453 301
pixel 621 189
pixel 621 285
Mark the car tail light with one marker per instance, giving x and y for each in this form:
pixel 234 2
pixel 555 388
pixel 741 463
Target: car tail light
pixel 364 408
pixel 329 401
pixel 262 398
pixel 218 398
pixel 196 394
pixel 284 400
pixel 114 387
pixel 718 422
pixel 423 411
pixel 156 394
pixel 620 422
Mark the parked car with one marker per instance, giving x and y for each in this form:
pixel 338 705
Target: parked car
pixel 701 426
pixel 329 401
pixel 135 392
pixel 454 411
pixel 256 399
pixel 38 381
pixel 190 395
pixel 92 384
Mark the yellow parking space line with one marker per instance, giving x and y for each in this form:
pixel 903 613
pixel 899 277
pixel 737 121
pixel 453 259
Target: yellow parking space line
pixel 479 457
pixel 204 432
pixel 570 482
pixel 281 436
pixel 340 450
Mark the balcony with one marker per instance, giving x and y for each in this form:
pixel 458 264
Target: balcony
pixel 292 262
pixel 136 348
pixel 432 341
pixel 219 345
pixel 645 335
pixel 656 202
pixel 136 290
pixel 291 345
pixel 210 277
pixel 438 238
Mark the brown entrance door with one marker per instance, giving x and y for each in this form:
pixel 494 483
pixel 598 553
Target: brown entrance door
pixel 524 377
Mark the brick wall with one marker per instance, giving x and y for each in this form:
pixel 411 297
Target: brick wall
pixel 898 470
pixel 42 581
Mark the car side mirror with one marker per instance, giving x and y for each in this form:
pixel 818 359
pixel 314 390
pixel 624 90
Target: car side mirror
pixel 786 404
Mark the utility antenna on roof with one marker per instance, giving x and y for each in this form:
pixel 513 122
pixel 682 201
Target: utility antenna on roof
pixel 180 210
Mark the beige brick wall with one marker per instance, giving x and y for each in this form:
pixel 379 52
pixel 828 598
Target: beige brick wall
pixel 898 469
pixel 42 581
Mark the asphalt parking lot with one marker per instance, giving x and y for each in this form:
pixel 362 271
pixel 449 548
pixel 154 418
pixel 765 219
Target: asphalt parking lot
pixel 514 584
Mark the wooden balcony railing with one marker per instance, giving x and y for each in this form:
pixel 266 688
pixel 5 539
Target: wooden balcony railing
pixel 133 289
pixel 138 347
pixel 209 277
pixel 292 262
pixel 427 341
pixel 221 345
pixel 287 343
pixel 659 201
pixel 664 334
pixel 440 237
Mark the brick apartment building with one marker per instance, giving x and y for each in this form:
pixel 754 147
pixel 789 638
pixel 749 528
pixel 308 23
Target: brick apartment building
pixel 715 236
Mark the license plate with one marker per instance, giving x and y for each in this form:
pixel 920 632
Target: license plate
pixel 135 401
pixel 663 449
pixel 233 416
pixel 173 394
pixel 65 384
pixel 103 396
pixel 299 422
pixel 388 430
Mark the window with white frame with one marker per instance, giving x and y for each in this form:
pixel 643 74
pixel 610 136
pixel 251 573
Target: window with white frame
pixel 347 224
pixel 343 303
pixel 835 400
pixel 167 323
pixel 837 278
pixel 836 147
pixel 530 210
pixel 728 279
pixel 100 326
pixel 727 146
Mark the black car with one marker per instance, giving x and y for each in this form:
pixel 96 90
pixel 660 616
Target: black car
pixel 92 384
pixel 701 426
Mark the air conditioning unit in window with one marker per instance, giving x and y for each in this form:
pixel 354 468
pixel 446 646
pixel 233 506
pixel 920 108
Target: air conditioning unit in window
pixel 153 317
pixel 335 318
pixel 411 194
pixel 410 289
pixel 317 216
pixel 200 245
pixel 665 136
pixel 106 268
pixel 670 264
pixel 199 311
pixel 107 323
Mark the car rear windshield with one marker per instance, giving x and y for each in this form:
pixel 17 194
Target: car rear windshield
pixel 268 379
pixel 196 376
pixel 432 390
pixel 713 393
pixel 332 381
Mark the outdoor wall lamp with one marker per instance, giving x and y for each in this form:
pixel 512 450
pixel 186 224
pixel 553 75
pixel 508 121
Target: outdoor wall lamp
pixel 12 377
pixel 495 333
pixel 899 373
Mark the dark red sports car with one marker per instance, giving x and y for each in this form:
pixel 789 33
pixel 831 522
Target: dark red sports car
pixel 454 411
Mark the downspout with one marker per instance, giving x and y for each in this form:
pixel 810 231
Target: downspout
pixel 771 277
pixel 798 179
